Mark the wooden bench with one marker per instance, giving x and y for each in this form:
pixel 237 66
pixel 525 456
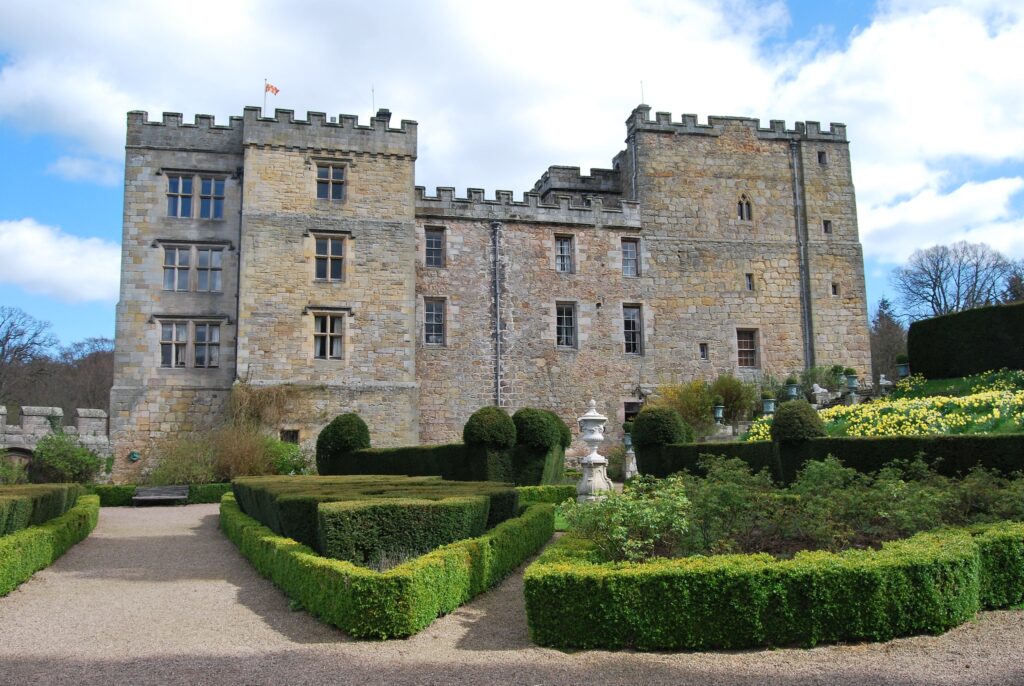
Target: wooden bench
pixel 159 495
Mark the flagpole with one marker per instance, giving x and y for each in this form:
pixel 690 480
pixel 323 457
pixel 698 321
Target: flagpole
pixel 264 98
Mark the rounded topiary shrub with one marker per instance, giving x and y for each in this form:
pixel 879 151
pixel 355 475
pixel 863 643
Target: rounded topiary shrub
pixel 535 429
pixel 489 426
pixel 656 426
pixel 796 420
pixel 564 433
pixel 345 434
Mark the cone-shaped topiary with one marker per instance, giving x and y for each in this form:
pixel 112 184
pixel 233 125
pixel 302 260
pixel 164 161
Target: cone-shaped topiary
pixel 345 434
pixel 660 426
pixel 489 426
pixel 796 420
pixel 535 428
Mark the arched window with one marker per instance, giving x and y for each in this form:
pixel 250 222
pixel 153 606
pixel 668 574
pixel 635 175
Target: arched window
pixel 743 212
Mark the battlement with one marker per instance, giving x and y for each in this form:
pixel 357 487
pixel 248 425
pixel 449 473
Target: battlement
pixel 342 133
pixel 600 182
pixel 317 131
pixel 37 422
pixel 639 120
pixel 566 210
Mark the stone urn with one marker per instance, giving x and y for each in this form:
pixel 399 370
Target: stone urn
pixel 595 482
pixel 768 405
pixel 903 369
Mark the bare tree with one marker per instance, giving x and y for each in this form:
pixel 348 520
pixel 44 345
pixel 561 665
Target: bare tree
pixel 951 278
pixel 888 339
pixel 23 339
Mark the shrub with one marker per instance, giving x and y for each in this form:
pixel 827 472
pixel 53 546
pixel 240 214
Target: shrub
pixel 345 434
pixel 287 458
pixel 729 507
pixel 826 377
pixel 627 427
pixel 182 460
pixel 12 472
pixel 535 429
pixel 59 457
pixel 25 552
pixel 546 494
pixel 616 457
pixel 403 600
pixel 737 397
pixel 849 371
pixel 656 426
pixel 717 401
pixel 647 519
pixel 490 427
pixel 902 358
pixel 796 420
pixel 691 400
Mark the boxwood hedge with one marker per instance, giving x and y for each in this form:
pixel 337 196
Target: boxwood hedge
pixel 120 495
pixel 25 552
pixel 968 342
pixel 25 505
pixel 406 598
pixel 925 584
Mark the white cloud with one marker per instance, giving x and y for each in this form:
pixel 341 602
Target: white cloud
pixel 100 172
pixel 46 260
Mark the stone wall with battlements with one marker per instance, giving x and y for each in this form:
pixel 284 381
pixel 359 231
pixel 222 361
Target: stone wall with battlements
pixel 18 441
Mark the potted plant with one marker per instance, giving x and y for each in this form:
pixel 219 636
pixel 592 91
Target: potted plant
pixel 792 387
pixel 851 378
pixel 768 402
pixel 902 366
pixel 627 434
pixel 718 407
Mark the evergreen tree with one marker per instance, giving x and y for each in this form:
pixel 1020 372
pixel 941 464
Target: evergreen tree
pixel 888 339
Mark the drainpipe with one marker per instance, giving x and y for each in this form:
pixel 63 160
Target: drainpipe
pixel 496 279
pixel 238 262
pixel 800 212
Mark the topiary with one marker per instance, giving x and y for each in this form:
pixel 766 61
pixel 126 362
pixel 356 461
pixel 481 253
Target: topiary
pixel 656 426
pixel 346 433
pixel 491 427
pixel 535 428
pixel 564 433
pixel 796 420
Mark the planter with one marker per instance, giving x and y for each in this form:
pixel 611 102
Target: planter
pixel 792 390
pixel 903 370
pixel 768 405
pixel 851 383
pixel 719 411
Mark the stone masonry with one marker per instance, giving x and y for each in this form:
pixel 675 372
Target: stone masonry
pixel 782 279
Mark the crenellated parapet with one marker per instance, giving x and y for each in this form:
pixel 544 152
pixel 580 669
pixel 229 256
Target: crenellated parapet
pixel 342 133
pixel 570 179
pixel 445 205
pixel 640 120
pixel 37 422
pixel 316 132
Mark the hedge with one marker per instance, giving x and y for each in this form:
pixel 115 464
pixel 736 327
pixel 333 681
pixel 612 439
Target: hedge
pixel 968 342
pixel 950 455
pixel 369 532
pixel 925 584
pixel 338 440
pixel 120 495
pixel 554 494
pixel 521 465
pixel 26 505
pixel 25 552
pixel 402 601
pixel 288 505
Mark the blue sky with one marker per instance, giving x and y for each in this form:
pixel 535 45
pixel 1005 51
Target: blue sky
pixel 932 94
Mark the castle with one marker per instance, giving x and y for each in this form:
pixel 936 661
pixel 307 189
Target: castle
pixel 281 251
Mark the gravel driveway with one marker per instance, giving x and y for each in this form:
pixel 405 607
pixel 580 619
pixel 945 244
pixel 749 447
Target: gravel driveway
pixel 158 595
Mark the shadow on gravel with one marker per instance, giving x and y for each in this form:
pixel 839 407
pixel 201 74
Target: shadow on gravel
pixel 204 554
pixel 323 667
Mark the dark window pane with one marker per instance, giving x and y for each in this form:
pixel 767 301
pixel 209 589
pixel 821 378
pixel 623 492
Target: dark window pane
pixel 321 172
pixel 336 323
pixel 336 191
pixel 320 324
pixel 204 281
pixel 218 187
pixel 205 186
pixel 200 356
pixel 215 284
pixel 204 208
pixel 186 185
pixel 338 173
pixel 186 206
pixel 335 270
pixel 165 355
pixel 214 356
pixel 321 190
pixel 215 257
pixel 204 258
pixel 218 208
pixel 337 247
pixel 172 206
pixel 321 267
pixel 321 246
pixel 168 279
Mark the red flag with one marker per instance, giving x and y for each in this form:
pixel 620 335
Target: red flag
pixel 271 88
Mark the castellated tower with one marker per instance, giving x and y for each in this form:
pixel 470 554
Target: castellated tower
pixel 297 254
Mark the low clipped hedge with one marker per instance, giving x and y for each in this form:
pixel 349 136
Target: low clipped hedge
pixel 402 601
pixel 25 505
pixel 368 532
pixel 547 494
pixel 949 455
pixel 289 505
pixel 25 552
pixel 925 584
pixel 120 495
pixel 968 342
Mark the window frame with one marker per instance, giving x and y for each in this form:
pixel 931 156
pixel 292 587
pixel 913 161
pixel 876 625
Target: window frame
pixel 749 282
pixel 635 259
pixel 438 308
pixel 636 333
pixel 750 353
pixel 182 352
pixel 329 258
pixel 191 270
pixel 744 209
pixel 836 290
pixel 440 232
pixel 190 193
pixel 177 268
pixel 703 352
pixel 328 336
pixel 216 201
pixel 573 326
pixel 826 226
pixel 823 158
pixel 336 176
pixel 565 262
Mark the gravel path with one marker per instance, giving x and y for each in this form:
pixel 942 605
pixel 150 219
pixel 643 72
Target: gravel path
pixel 158 595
